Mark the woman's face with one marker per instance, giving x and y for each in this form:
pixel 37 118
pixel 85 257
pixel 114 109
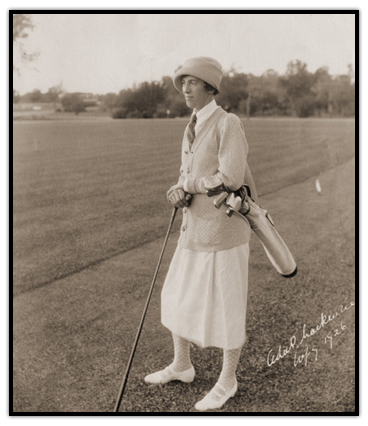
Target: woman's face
pixel 196 95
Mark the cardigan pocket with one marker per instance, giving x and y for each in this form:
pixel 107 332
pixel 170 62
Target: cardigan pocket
pixel 206 230
pixel 202 207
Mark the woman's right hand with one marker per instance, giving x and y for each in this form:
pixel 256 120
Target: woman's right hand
pixel 178 185
pixel 178 198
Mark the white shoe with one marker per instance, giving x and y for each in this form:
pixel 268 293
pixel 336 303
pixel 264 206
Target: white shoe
pixel 168 374
pixel 216 398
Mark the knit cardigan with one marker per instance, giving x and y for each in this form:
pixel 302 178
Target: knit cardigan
pixel 218 154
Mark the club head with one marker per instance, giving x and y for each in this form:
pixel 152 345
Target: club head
pixel 230 200
pixel 220 200
pixel 237 204
pixel 229 211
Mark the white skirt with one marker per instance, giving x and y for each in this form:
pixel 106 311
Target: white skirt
pixel 204 297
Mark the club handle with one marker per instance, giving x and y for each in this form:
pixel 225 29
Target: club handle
pixel 212 191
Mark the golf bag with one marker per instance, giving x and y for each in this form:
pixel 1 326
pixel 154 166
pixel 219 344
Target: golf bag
pixel 241 204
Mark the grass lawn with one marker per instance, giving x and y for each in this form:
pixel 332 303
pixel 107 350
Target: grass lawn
pixel 89 215
pixel 85 191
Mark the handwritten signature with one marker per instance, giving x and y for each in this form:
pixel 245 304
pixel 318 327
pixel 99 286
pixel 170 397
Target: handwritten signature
pixel 272 358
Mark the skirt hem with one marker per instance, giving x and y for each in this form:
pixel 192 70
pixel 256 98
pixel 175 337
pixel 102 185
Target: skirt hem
pixel 200 344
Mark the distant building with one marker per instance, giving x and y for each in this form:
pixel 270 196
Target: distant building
pixel 89 99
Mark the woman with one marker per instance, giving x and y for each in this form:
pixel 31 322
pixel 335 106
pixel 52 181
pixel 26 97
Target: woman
pixel 204 296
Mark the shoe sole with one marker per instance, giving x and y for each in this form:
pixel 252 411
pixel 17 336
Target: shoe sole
pixel 186 380
pixel 189 380
pixel 216 408
pixel 173 380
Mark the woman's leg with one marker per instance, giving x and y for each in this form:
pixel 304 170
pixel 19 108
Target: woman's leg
pixel 180 369
pixel 226 386
pixel 181 354
pixel 230 362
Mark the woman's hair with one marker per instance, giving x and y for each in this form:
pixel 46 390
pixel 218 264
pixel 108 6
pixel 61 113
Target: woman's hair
pixel 207 86
pixel 211 89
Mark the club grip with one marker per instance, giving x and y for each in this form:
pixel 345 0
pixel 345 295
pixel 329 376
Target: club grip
pixel 215 190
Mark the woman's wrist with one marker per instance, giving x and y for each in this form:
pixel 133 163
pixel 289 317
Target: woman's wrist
pixel 194 186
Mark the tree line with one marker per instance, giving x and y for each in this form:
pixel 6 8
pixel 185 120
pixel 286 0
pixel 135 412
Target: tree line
pixel 298 92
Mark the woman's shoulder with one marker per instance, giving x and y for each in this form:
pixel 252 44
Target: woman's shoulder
pixel 228 119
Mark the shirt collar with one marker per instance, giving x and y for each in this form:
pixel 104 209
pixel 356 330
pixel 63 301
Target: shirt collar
pixel 206 112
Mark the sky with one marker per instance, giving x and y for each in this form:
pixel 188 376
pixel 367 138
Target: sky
pixel 103 53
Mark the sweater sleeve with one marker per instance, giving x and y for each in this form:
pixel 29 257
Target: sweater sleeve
pixel 232 156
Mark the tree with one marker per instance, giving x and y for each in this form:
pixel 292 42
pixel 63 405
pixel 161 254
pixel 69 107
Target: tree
pixel 52 95
pixel 16 97
pixel 36 96
pixel 322 88
pixel 233 90
pixel 298 83
pixel 22 24
pixel 174 100
pixel 297 92
pixel 255 95
pixel 343 96
pixel 109 101
pixel 72 102
pixel 141 101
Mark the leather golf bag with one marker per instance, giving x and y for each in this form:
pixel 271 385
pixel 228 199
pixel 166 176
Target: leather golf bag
pixel 241 203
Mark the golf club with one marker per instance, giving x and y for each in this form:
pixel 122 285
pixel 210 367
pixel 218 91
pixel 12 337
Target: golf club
pixel 124 382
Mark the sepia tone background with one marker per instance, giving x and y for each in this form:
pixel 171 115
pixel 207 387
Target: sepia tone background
pixel 97 133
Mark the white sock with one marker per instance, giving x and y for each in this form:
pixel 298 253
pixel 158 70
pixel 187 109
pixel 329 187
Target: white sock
pixel 181 354
pixel 230 362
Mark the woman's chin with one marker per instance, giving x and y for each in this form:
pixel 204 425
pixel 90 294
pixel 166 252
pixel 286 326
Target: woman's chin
pixel 189 104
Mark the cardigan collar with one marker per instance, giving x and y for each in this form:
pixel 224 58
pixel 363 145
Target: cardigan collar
pixel 204 114
pixel 207 125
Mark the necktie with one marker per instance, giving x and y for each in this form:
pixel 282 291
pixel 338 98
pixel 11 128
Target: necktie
pixel 191 132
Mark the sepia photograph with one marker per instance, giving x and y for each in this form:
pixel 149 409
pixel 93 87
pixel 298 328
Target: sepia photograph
pixel 184 210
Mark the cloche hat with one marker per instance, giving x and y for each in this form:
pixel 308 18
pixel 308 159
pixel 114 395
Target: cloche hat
pixel 202 67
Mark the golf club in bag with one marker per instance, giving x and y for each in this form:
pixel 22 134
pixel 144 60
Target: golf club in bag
pixel 241 204
pixel 125 378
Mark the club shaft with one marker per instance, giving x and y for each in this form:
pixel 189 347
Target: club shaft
pixel 125 379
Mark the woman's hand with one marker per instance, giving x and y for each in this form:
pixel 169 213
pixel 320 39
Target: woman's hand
pixel 178 198
pixel 179 185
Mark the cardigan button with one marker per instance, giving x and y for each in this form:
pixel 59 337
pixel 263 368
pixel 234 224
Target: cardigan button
pixel 184 210
pixel 183 228
pixel 186 152
pixel 188 170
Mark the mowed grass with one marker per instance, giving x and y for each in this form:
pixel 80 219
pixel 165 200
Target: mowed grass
pixel 86 190
pixel 72 338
